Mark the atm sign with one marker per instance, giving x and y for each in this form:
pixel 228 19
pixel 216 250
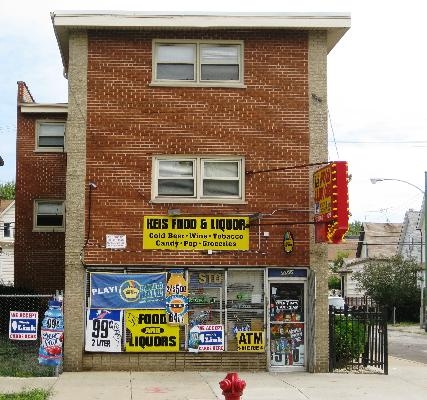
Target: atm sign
pixel 250 341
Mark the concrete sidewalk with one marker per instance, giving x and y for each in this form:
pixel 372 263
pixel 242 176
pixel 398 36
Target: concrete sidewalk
pixel 406 380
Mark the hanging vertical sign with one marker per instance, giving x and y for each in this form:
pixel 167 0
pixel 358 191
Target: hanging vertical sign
pixel 104 330
pixel 177 297
pixel 331 202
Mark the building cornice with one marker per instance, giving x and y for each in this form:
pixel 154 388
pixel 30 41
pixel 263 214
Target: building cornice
pixel 335 24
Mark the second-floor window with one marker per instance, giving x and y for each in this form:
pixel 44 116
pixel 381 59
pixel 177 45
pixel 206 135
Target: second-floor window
pixel 210 179
pixel 50 135
pixel 198 62
pixel 49 215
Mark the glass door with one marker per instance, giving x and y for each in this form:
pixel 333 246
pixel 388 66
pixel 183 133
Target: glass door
pixel 286 324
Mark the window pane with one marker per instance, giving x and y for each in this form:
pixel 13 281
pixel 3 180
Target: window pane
pixel 6 229
pixel 220 72
pixel 219 54
pixel 49 208
pixel 51 129
pixel 178 187
pixel 175 168
pixel 49 220
pixel 174 53
pixel 51 141
pixel 214 169
pixel 184 72
pixel 213 188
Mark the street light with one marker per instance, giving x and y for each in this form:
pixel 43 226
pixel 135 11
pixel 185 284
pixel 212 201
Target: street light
pixel 424 291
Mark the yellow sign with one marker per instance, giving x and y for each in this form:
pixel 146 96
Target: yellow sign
pixel 196 233
pixel 250 341
pixel 148 331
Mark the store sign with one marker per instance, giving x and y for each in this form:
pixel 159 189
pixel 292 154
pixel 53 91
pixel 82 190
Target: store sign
pixel 104 330
pixel 206 338
pixel 196 233
pixel 331 202
pixel 250 341
pixel 118 291
pixel 150 332
pixel 23 325
pixel 287 273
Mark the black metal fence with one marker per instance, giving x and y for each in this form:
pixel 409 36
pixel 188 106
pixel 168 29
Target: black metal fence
pixel 20 357
pixel 358 339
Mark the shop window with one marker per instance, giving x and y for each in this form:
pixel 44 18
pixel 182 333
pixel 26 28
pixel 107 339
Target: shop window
pixel 206 298
pixel 245 304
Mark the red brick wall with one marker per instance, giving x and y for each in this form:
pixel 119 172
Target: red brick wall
pixel 129 121
pixel 39 256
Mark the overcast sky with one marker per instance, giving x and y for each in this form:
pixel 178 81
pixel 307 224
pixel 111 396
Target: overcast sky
pixel 377 87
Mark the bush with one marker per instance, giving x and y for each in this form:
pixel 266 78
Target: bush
pixel 349 339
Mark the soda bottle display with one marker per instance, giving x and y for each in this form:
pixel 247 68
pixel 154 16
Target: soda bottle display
pixel 52 335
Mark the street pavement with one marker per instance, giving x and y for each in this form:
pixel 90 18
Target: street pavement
pixel 406 380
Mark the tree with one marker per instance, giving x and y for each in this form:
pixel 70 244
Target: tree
pixel 390 281
pixel 354 228
pixel 7 191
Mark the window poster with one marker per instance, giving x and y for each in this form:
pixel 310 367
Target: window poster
pixel 104 330
pixel 127 291
pixel 177 297
pixel 149 331
pixel 206 338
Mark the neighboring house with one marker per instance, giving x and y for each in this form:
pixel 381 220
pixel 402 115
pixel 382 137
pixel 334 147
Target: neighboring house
pixel 7 238
pixel 40 194
pixel 410 244
pixel 376 241
pixel 190 146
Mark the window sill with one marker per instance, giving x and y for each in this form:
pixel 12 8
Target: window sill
pixel 169 200
pixel 50 150
pixel 233 85
pixel 49 229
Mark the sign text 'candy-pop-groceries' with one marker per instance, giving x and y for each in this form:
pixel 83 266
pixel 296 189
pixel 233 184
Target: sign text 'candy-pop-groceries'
pixel 196 233
pixel 331 202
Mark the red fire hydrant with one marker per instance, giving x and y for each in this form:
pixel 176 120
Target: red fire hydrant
pixel 232 386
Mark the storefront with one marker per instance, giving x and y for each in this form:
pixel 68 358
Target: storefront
pixel 202 310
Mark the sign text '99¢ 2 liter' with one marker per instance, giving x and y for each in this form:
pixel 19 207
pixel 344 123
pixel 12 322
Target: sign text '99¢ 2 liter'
pixel 196 233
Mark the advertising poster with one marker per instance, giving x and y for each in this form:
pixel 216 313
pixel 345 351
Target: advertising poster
pixel 52 335
pixel 195 233
pixel 250 341
pixel 127 291
pixel 104 330
pixel 23 325
pixel 177 297
pixel 287 344
pixel 148 331
pixel 206 338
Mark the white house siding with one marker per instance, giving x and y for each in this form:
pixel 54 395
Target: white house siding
pixel 7 216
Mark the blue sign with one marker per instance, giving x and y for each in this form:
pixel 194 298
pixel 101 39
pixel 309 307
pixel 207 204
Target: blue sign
pixel 23 325
pixel 287 273
pixel 127 291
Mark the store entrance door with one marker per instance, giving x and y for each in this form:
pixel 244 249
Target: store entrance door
pixel 286 325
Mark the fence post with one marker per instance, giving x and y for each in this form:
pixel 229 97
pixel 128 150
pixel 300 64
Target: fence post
pixel 331 338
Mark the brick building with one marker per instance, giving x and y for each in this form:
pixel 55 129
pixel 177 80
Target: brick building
pixel 190 145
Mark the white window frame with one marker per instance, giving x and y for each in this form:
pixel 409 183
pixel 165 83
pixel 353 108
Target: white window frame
pixel 197 64
pixel 198 197
pixel 39 133
pixel 49 228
